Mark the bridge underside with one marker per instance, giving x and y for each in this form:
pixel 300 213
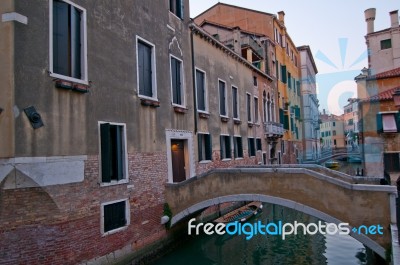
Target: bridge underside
pixel 334 198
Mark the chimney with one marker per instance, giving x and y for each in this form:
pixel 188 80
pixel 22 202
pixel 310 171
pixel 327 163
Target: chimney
pixel 369 18
pixel 281 17
pixel 394 18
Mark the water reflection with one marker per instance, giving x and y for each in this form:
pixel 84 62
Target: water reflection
pixel 269 250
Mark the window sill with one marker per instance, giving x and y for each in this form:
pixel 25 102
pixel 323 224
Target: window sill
pixel 205 162
pixel 113 183
pixel 204 115
pixel 239 158
pixel 237 122
pixel 226 159
pixel 69 79
pixel 250 124
pixel 114 231
pixel 69 85
pixel 149 102
pixel 180 110
pixel 224 119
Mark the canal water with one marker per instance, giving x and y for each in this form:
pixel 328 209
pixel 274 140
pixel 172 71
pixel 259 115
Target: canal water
pixel 266 249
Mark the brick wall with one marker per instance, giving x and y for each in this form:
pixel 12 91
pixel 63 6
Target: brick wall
pixel 61 224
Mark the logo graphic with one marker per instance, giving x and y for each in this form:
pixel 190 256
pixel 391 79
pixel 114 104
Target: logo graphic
pixel 280 229
pixel 334 88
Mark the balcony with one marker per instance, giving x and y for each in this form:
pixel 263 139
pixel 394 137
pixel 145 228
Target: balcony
pixel 257 48
pixel 273 129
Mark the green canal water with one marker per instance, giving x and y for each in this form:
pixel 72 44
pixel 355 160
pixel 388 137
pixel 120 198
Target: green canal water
pixel 268 250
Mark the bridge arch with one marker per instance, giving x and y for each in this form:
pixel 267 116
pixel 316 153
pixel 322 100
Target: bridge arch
pixel 378 249
pixel 331 196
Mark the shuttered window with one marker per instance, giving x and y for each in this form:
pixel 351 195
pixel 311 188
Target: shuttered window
pixel 114 216
pixel 176 80
pixel 222 98
pixel 248 105
pixel 145 69
pixel 68 40
pixel 238 147
pixel 112 152
pixel 201 90
pixel 205 147
pixel 391 162
pixel 176 7
pixel 283 74
pixel 259 144
pixel 235 106
pixel 225 144
pixel 251 147
pixel 388 122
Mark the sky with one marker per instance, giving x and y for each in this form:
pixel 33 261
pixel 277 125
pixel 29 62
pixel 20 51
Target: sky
pixel 335 32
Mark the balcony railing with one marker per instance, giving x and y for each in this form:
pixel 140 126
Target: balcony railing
pixel 253 44
pixel 273 129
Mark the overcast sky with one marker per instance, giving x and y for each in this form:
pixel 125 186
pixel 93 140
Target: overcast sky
pixel 335 32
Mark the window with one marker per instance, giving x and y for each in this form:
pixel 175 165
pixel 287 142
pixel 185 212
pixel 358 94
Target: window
pixel 176 7
pixel 277 70
pixel 333 124
pixel 177 81
pixel 238 147
pixel 391 162
pixel 248 100
pixel 255 110
pixel 68 48
pixel 351 122
pixel 115 215
pixel 283 147
pixel 283 74
pixel 289 76
pixel 387 122
pixel 205 147
pixel 222 98
pixel 113 152
pixel 146 69
pixel 334 133
pixel 235 105
pixel 225 142
pixel 251 146
pixel 386 44
pixel 334 142
pixel 255 83
pixel 201 90
pixel 259 144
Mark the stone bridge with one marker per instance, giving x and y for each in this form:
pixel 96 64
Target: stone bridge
pixel 331 196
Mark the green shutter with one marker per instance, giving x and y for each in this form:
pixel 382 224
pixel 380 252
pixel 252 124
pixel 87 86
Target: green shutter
pixel 281 116
pixel 119 155
pixel 284 74
pixel 286 122
pixel 379 124
pixel 105 152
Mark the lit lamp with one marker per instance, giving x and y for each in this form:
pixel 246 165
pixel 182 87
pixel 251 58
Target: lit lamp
pixel 396 97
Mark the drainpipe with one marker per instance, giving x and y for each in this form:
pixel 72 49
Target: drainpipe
pixel 194 83
pixel 361 134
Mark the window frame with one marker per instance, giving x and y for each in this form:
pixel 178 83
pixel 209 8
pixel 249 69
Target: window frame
pixel 237 104
pixel 386 44
pixel 205 148
pixel 256 118
pixel 125 178
pixel 206 106
pixel 226 158
pixel 236 151
pixel 84 58
pixel 251 147
pixel 225 101
pixel 127 217
pixel 249 111
pixel 153 68
pixel 183 97
pixel 174 11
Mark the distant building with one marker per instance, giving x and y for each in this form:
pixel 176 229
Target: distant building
pixel 332 132
pixel 310 113
pixel 377 87
pixel 351 120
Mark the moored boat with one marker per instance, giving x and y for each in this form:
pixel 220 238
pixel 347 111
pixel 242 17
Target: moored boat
pixel 241 214
pixel 332 164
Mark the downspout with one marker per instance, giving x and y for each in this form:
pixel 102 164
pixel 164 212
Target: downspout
pixel 194 82
pixel 360 105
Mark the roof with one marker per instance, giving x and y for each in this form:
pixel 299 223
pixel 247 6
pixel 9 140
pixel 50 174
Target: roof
pixel 388 74
pixel 386 95
pixel 200 31
pixel 238 7
pixel 230 28
pixel 308 49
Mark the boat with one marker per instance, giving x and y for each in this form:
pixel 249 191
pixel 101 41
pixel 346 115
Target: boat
pixel 241 214
pixel 332 164
pixel 354 159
